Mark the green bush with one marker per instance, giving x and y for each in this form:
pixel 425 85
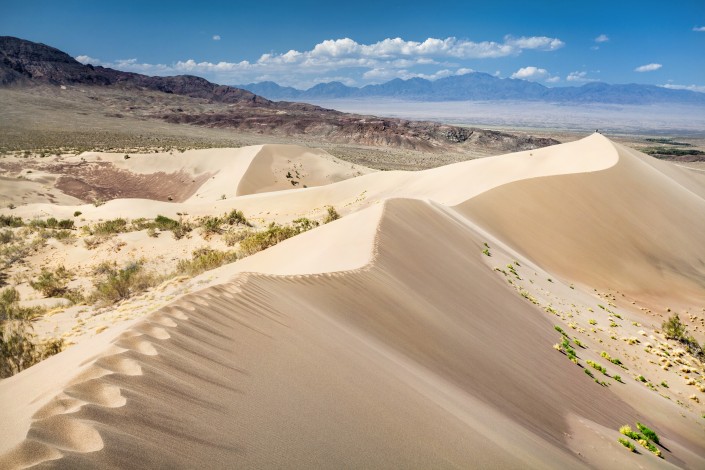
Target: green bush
pixel 627 443
pixel 648 433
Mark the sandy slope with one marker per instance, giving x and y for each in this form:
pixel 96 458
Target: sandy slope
pixel 386 339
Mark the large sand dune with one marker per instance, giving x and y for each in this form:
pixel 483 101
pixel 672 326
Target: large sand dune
pixel 387 338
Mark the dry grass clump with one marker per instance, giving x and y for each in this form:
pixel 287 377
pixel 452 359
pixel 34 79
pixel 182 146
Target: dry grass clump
pixel 19 347
pixel 251 243
pixel 214 225
pixel 205 259
pixel 262 240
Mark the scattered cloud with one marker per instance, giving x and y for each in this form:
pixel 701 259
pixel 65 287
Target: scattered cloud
pixel 700 29
pixel 391 58
pixel 216 37
pixel 84 59
pixel 535 74
pixel 579 77
pixel 698 88
pixel 602 38
pixel 648 68
pixel 530 72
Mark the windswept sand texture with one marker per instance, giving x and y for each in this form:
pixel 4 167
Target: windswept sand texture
pixel 387 339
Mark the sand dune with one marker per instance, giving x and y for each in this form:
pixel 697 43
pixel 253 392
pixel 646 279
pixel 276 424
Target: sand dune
pixel 387 338
pixel 622 228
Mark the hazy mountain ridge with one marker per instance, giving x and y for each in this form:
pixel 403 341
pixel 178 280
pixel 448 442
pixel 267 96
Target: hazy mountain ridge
pixel 28 64
pixel 478 86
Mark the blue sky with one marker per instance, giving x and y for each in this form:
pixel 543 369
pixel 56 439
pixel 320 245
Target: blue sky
pixel 556 43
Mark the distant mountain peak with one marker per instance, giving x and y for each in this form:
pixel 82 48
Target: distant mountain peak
pixel 481 86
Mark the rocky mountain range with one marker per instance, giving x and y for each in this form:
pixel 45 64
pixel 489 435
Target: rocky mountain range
pixel 477 86
pixel 28 64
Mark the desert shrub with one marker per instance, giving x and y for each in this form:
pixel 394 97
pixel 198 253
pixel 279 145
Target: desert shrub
pixel 92 242
pixel 65 224
pixel 648 433
pixel 178 227
pixel 11 221
pixel 262 240
pixel 331 216
pixel 19 347
pixel 6 236
pixel 52 283
pixel 597 366
pixel 627 443
pixel 12 253
pixel 205 259
pixel 77 213
pixel 109 227
pixel 165 223
pixel 304 225
pixel 119 284
pixel 673 328
pixel 236 217
pixel 211 225
pixel 232 237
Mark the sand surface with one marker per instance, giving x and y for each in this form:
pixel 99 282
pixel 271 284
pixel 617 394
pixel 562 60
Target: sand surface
pixel 387 338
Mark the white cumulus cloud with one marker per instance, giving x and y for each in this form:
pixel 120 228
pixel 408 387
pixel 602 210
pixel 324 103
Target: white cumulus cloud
pixel 216 37
pixel 530 72
pixel 535 74
pixel 389 58
pixel 602 38
pixel 700 29
pixel 648 68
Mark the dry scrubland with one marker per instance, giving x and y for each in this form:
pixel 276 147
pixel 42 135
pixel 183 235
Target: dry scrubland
pixel 538 309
